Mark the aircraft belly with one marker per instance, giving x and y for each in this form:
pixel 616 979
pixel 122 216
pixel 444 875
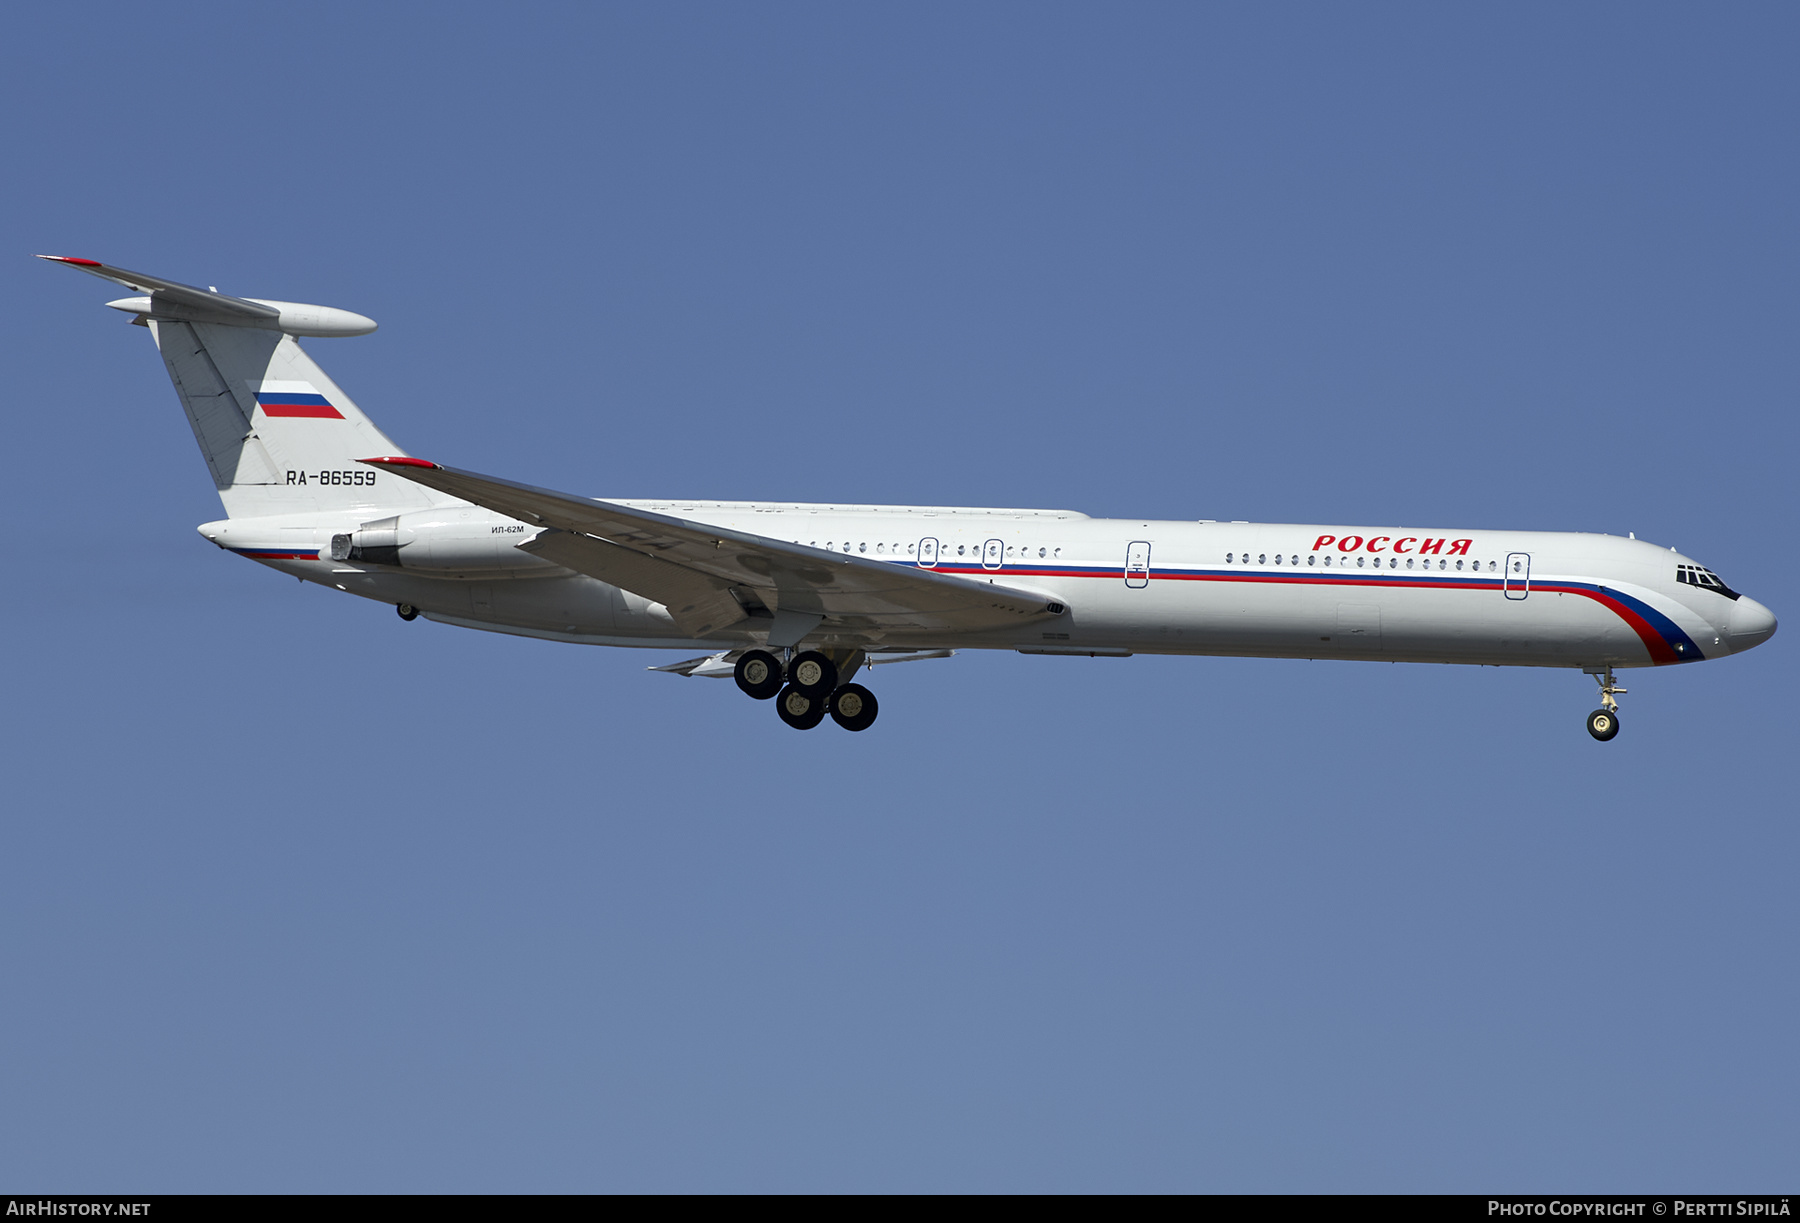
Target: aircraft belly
pixel 1368 621
pixel 1252 617
pixel 1482 626
pixel 569 605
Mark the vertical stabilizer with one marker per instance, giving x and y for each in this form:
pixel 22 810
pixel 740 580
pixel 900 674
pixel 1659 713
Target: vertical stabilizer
pixel 278 435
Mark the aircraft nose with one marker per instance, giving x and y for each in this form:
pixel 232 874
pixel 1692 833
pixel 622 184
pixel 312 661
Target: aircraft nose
pixel 1751 624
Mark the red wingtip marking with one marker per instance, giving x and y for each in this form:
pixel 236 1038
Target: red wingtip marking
pixel 398 461
pixel 86 263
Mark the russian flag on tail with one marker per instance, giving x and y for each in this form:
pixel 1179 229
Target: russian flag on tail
pixel 296 403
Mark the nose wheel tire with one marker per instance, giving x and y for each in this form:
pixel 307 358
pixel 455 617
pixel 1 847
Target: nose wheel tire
pixel 1603 724
pixel 853 707
pixel 798 710
pixel 813 674
pixel 758 674
pixel 407 611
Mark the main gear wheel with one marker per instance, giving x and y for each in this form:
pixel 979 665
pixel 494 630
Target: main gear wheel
pixel 758 674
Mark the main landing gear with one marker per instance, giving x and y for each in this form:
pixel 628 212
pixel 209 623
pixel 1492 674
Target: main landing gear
pixel 1603 723
pixel 807 687
pixel 407 611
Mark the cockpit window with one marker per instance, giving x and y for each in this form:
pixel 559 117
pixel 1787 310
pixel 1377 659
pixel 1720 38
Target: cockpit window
pixel 1705 579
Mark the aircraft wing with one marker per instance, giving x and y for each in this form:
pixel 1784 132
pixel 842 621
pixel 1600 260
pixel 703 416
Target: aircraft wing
pixel 701 573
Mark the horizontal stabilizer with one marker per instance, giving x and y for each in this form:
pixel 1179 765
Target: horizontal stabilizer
pixel 170 299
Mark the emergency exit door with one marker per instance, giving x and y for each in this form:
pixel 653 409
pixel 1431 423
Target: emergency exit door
pixel 1517 583
pixel 1137 565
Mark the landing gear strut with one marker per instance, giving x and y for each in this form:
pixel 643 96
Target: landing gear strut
pixel 1603 723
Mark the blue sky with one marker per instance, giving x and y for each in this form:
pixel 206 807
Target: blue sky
pixel 300 897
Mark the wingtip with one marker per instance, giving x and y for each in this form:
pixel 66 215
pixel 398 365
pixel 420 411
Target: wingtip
pixel 398 460
pixel 80 263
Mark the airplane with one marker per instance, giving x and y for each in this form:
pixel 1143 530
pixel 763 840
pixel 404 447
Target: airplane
pixel 794 600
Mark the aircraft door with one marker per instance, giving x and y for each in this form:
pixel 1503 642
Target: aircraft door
pixel 1137 565
pixel 992 553
pixel 1517 583
pixel 928 553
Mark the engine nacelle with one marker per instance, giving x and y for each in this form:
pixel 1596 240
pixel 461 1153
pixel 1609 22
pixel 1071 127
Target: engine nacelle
pixel 445 541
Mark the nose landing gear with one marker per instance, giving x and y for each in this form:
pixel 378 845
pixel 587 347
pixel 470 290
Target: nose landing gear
pixel 1603 723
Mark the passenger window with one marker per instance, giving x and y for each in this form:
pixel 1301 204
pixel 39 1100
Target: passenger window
pixel 1262 558
pixel 1278 558
pixel 1229 557
pixel 1312 560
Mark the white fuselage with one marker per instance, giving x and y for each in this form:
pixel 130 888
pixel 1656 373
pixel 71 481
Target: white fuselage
pixel 1130 586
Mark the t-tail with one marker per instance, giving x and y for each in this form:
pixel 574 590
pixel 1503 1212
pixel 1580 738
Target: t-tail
pixel 278 435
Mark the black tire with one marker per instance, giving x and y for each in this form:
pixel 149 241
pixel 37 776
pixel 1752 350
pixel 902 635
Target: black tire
pixel 853 707
pixel 798 710
pixel 813 673
pixel 758 674
pixel 407 611
pixel 1603 724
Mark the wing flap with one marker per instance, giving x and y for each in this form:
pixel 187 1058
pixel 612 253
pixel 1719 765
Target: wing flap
pixel 698 602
